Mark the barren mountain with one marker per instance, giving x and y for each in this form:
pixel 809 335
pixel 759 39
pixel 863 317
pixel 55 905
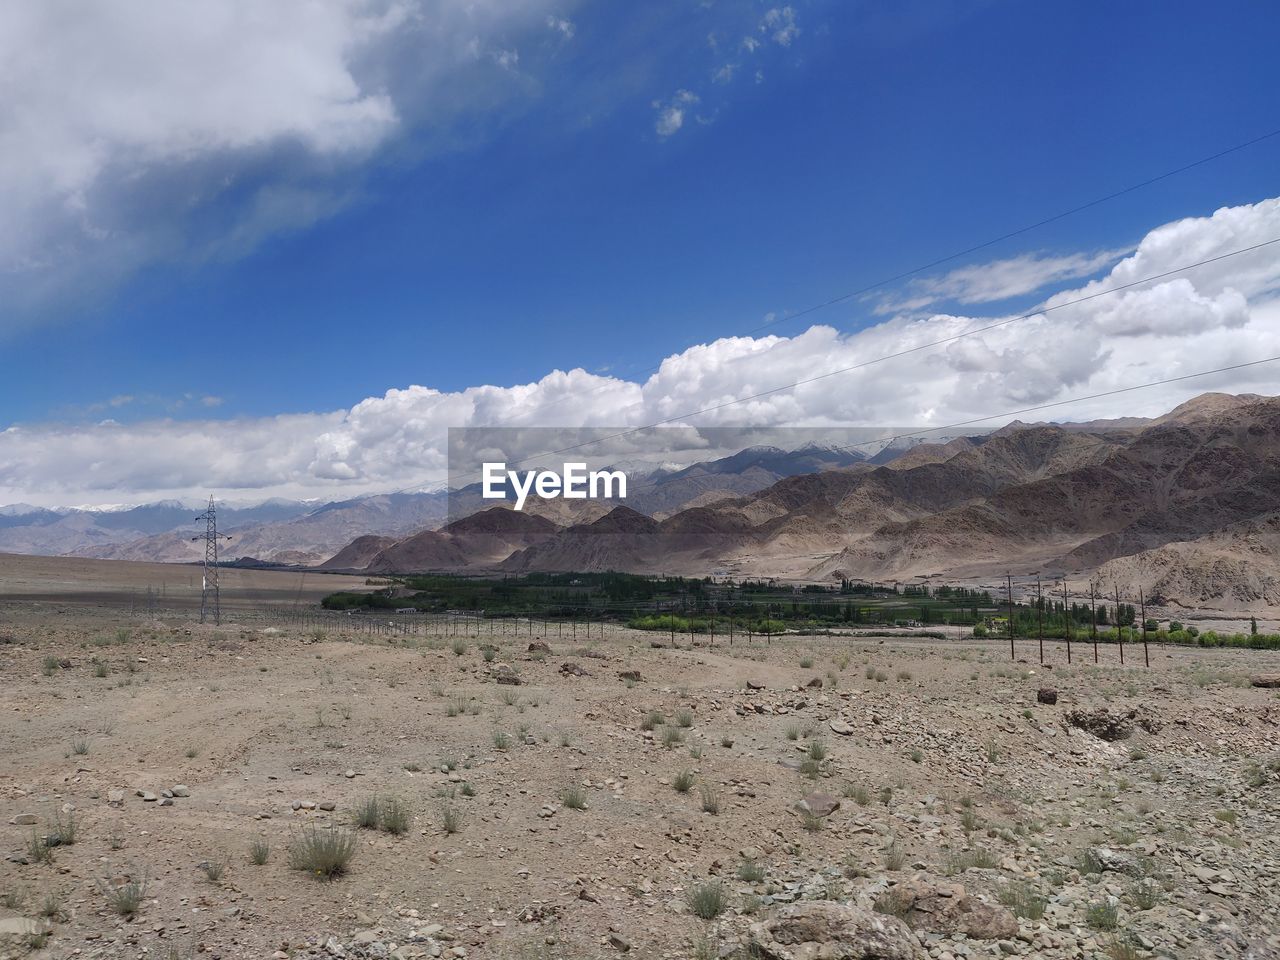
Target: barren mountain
pixel 1237 568
pixel 1183 476
pixel 482 540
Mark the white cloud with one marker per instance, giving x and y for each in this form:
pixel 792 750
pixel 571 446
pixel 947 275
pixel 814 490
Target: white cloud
pixel 123 124
pixel 1226 313
pixel 1001 279
pixel 671 113
pixel 562 26
pixel 780 24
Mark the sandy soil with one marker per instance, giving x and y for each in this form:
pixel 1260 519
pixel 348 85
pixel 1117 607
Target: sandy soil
pixel 261 721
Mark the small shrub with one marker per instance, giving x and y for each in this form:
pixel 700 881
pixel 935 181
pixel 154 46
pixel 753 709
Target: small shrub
pixel 1226 816
pixel 50 907
pixel 574 797
pixel 810 768
pixel 80 747
pixel 38 851
pixel 749 871
pixel 895 858
pixel 707 900
pixel 488 653
pixel 904 674
pixel 806 663
pixel 324 852
pixel 916 755
pixel 259 852
pixel 393 817
pixel 684 718
pixel 213 870
pixel 1023 900
pixel 793 731
pixel 817 750
pixel 127 898
pixel 976 858
pixel 811 822
pixel 672 736
pixel 367 813
pixel 1145 894
pixel 710 799
pixel 459 647
pixel 450 818
pixel 683 781
pixel 1103 916
pixel 501 740
pixel 858 794
pixel 653 719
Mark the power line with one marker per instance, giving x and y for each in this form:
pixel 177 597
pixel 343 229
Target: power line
pixel 901 353
pixel 977 247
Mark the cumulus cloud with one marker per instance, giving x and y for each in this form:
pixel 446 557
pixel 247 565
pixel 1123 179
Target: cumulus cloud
pixel 136 132
pixel 1222 314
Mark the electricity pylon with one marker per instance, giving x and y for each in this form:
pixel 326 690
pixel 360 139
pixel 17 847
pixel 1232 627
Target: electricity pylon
pixel 209 599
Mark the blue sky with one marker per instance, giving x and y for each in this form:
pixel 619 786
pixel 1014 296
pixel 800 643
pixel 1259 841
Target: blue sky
pixel 539 208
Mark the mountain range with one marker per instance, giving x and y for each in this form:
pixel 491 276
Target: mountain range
pixel 1187 505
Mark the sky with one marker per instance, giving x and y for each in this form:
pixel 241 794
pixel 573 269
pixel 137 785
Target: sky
pixel 279 249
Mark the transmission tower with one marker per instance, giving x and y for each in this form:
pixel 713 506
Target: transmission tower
pixel 209 600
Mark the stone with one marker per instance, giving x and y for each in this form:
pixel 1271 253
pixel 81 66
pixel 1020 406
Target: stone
pixel 815 683
pixel 180 790
pixel 839 726
pixel 619 942
pixel 1047 696
pixel 18 928
pixel 753 685
pixel 944 907
pixel 1102 723
pixel 25 820
pixel 1269 681
pixel 832 931
pixel 819 804
pixel 632 675
pixel 571 669
pixel 504 673
pixel 115 797
pixel 147 796
pixel 539 646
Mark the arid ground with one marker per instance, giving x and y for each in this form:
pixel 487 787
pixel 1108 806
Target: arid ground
pixel 144 755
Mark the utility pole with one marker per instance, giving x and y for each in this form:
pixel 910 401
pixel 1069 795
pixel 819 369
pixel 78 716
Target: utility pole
pixel 1040 618
pixel 1142 602
pixel 1119 635
pixel 1066 616
pixel 1093 618
pixel 1009 580
pixel 210 601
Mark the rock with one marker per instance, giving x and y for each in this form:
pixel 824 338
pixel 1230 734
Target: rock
pixel 1047 695
pixel 349 774
pixel 816 683
pixel 839 726
pixel 1115 861
pixel 632 675
pixel 505 673
pixel 539 646
pixel 1269 681
pixel 944 907
pixel 753 685
pixel 147 796
pixel 832 931
pixel 115 797
pixel 571 669
pixel 819 804
pixel 18 928
pixel 328 805
pixel 619 942
pixel 1102 723
pixel 180 790
pixel 25 820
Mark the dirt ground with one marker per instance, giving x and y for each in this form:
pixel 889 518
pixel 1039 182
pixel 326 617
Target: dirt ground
pixel 946 768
